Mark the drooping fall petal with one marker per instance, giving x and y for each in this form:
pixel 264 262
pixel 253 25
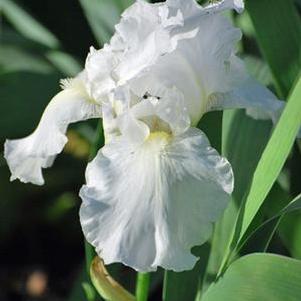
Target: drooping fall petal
pixel 27 156
pixel 148 206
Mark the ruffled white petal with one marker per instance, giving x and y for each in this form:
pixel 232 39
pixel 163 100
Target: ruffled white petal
pixel 259 102
pixel 26 157
pixel 145 33
pixel 145 30
pixel 207 71
pixel 99 66
pixel 200 66
pixel 147 206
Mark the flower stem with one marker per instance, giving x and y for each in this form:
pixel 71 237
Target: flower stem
pixel 142 286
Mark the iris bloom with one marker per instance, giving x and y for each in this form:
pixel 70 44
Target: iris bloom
pixel 157 186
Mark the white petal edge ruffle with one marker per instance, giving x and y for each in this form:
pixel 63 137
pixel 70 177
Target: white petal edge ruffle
pixel 147 207
pixel 191 9
pixel 27 156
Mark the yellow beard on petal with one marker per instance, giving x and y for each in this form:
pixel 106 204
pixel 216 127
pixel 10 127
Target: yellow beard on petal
pixel 157 141
pixel 159 135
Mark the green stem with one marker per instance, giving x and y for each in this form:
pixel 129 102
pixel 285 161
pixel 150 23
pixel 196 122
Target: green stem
pixel 142 286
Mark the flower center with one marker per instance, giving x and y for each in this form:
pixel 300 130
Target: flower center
pixel 157 141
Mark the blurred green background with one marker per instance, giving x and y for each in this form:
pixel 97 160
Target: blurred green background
pixel 41 243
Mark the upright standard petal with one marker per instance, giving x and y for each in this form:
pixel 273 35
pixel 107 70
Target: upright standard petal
pixel 206 69
pixel 145 33
pixel 26 157
pixel 201 65
pixel 148 206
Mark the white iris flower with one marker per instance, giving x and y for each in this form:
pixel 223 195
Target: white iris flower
pixel 157 186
